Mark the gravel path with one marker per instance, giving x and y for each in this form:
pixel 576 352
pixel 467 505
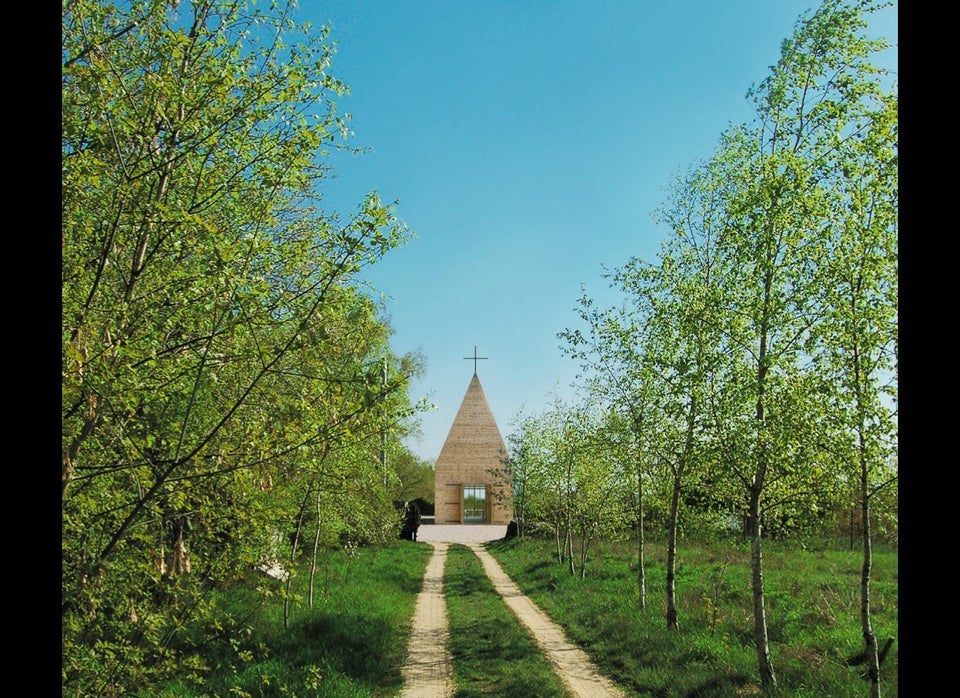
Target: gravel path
pixel 429 671
pixel 460 533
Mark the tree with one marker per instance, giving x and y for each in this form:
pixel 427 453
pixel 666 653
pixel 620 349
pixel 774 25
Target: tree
pixel 561 445
pixel 415 476
pixel 653 357
pixel 858 336
pixel 684 339
pixel 774 243
pixel 209 312
pixel 610 350
pixel 601 504
pixel 629 447
pixel 568 473
pixel 525 460
pixel 543 473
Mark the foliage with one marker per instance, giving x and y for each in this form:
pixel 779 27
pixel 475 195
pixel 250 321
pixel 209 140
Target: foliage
pixel 353 641
pixel 566 474
pixel 766 331
pixel 414 476
pixel 220 367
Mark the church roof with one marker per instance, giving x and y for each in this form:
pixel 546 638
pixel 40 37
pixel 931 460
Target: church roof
pixel 474 436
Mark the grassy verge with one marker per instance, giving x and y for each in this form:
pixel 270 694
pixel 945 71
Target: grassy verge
pixel 493 655
pixel 812 606
pixel 352 643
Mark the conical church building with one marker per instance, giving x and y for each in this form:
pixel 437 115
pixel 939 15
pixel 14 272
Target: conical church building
pixel 472 484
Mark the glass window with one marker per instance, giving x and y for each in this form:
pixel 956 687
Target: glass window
pixel 474 503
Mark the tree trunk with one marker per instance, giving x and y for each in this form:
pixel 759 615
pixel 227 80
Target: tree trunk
pixel 293 558
pixel 560 544
pixel 641 575
pixel 521 520
pixel 179 557
pixel 851 526
pixel 673 619
pixel 316 547
pixel 869 636
pixel 70 454
pixel 767 677
pixel 584 545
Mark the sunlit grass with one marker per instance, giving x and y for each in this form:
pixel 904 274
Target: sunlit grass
pixel 493 654
pixel 812 608
pixel 352 643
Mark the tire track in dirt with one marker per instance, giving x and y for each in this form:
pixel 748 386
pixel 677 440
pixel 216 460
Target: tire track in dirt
pixel 572 664
pixel 428 672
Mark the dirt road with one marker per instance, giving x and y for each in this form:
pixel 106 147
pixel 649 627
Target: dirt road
pixel 429 671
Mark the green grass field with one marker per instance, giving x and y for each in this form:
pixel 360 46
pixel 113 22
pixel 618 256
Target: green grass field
pixel 813 606
pixel 353 642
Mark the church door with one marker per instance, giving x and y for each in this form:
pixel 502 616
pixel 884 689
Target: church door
pixel 474 503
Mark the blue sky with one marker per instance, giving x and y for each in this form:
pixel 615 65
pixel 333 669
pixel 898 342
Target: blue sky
pixel 527 145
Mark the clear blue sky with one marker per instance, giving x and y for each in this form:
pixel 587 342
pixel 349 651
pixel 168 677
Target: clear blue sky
pixel 527 144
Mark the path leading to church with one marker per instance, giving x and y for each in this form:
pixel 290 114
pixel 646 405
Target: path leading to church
pixel 429 672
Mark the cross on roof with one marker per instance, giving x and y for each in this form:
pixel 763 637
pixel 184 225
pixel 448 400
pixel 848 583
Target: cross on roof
pixel 475 358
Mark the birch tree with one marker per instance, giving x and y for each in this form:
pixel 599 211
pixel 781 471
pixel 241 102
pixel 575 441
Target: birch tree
pixel 610 348
pixel 858 336
pixel 775 242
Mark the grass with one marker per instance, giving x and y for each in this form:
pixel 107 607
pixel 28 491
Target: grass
pixel 812 610
pixel 493 654
pixel 353 641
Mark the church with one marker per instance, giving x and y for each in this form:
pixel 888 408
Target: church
pixel 472 478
